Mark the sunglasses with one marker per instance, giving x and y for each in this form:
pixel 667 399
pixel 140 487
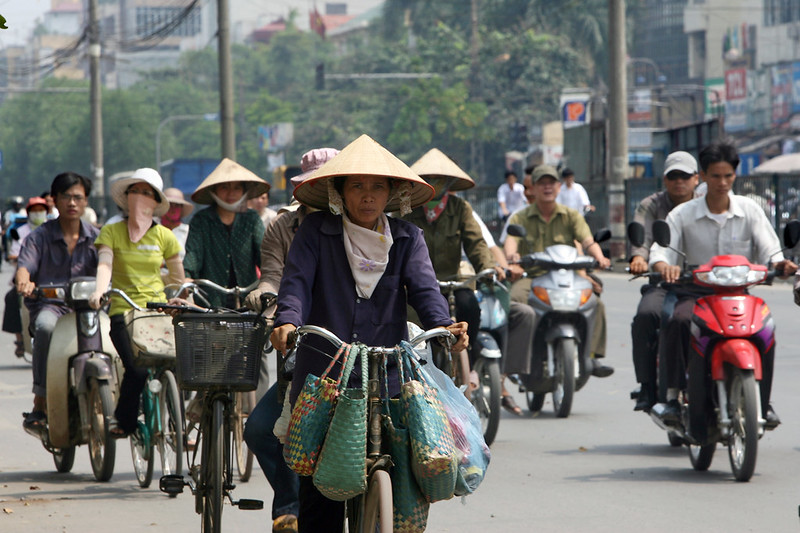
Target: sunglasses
pixel 672 176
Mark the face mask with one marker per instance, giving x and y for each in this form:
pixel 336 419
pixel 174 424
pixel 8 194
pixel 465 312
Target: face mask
pixel 236 207
pixel 172 217
pixel 37 218
pixel 140 215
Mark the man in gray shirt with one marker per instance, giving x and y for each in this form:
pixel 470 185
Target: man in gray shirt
pixel 718 223
pixel 55 252
pixel 680 180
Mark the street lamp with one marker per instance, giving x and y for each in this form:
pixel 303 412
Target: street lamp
pixel 207 116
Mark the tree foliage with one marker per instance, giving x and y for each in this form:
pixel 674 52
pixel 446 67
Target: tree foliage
pixel 465 98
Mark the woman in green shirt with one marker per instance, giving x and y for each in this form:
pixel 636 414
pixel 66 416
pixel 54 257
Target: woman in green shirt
pixel 224 242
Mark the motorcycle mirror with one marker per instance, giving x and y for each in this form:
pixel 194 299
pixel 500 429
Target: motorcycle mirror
pixel 516 230
pixel 661 233
pixel 602 235
pixel 791 234
pixel 636 234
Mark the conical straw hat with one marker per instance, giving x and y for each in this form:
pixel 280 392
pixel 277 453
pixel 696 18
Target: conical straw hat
pixel 435 163
pixel 362 157
pixel 229 171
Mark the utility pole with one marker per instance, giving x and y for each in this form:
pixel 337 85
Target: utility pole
pixel 617 125
pixel 475 89
pixel 225 81
pixel 96 104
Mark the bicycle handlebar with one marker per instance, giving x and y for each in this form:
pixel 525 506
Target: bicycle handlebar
pixel 487 273
pixel 337 342
pixel 237 291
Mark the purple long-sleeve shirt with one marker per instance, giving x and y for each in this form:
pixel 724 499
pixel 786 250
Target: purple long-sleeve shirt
pixel 318 288
pixel 46 256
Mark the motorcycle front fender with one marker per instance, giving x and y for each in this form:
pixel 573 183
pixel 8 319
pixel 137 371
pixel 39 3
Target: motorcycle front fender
pixel 561 331
pixel 489 347
pixel 740 353
pixel 91 367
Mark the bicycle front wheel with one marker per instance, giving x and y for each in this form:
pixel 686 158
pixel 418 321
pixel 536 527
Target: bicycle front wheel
pixel 212 479
pixel 377 508
pixel 243 405
pixel 170 441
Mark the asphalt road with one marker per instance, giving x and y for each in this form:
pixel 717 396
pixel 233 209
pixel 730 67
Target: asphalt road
pixel 603 469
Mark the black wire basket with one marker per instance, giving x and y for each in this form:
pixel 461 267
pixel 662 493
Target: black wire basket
pixel 219 351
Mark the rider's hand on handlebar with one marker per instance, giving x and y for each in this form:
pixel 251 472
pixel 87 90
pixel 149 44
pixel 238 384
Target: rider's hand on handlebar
pixel 280 337
pixel 638 265
pixel 25 288
pixel 459 331
pixel 253 300
pixel 516 271
pixel 95 300
pixel 604 263
pixel 785 268
pixel 671 273
pixel 501 272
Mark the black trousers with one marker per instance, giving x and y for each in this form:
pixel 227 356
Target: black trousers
pixel 469 310
pixel 135 377
pixel 12 319
pixel 318 514
pixel 644 333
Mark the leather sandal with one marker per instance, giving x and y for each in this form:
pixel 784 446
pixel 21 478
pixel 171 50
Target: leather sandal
pixel 115 431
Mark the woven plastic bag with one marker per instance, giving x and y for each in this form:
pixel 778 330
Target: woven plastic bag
pixel 341 471
pixel 311 416
pixel 474 454
pixel 434 458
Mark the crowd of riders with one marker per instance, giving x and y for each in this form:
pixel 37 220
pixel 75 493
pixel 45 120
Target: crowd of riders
pixel 358 250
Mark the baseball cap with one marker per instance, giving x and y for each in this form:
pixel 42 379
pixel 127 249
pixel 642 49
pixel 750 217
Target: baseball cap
pixel 544 170
pixel 681 161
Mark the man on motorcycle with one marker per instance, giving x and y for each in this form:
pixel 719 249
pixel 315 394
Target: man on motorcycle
pixel 680 179
pixel 718 223
pixel 56 251
pixel 546 223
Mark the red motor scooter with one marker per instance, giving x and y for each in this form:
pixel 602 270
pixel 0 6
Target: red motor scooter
pixel 731 332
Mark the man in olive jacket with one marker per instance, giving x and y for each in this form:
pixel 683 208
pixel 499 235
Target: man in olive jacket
pixel 448 226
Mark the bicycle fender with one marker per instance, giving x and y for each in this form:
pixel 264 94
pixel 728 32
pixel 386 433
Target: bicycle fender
pixel 740 353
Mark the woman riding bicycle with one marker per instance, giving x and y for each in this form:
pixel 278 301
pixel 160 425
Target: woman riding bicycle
pixel 224 242
pixel 352 272
pixel 130 255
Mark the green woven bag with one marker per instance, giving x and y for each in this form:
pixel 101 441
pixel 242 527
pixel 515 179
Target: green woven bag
pixel 410 506
pixel 341 471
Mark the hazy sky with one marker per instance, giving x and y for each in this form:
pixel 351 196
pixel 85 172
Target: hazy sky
pixel 21 14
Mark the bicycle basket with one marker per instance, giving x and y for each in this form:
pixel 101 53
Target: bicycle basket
pixel 219 351
pixel 152 337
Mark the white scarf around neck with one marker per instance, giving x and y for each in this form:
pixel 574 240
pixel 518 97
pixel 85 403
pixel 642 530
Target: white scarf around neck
pixel 367 252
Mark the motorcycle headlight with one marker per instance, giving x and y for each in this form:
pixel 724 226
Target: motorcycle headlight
pixel 731 276
pixel 564 299
pixel 82 290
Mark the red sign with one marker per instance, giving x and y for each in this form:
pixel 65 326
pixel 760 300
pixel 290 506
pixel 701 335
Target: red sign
pixel 736 84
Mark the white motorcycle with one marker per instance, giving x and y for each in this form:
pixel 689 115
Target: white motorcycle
pixel 82 380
